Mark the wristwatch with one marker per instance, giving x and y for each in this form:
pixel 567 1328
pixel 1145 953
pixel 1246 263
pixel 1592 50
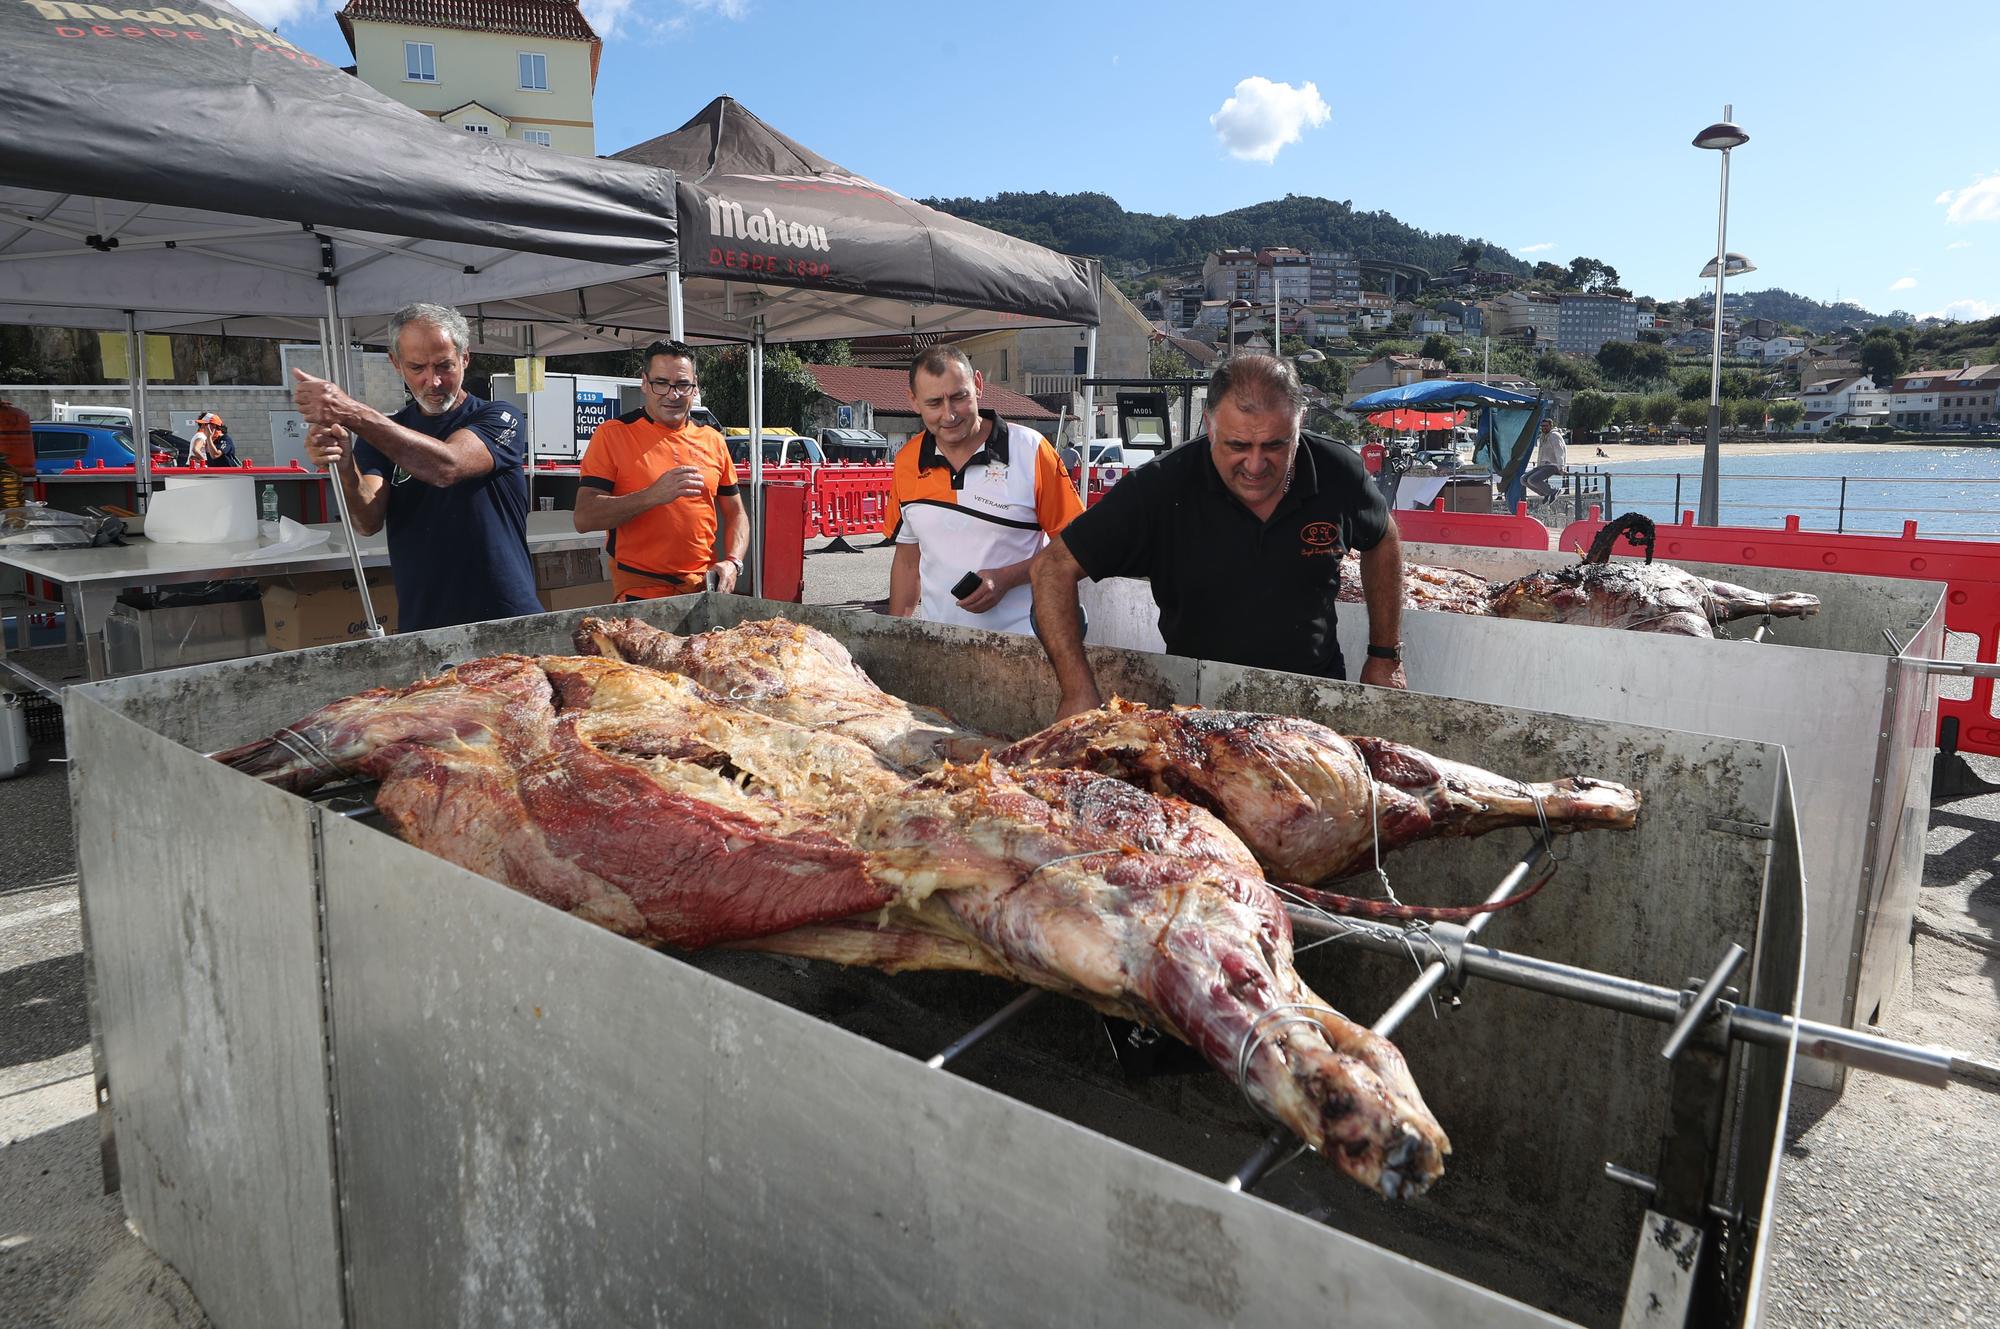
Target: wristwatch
pixel 1386 652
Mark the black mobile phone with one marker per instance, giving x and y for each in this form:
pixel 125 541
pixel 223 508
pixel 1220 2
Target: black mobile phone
pixel 965 586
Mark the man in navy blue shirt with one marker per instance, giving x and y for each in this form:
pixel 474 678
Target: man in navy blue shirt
pixel 444 474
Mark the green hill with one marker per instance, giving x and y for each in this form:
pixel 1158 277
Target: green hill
pixel 1096 226
pixel 1802 311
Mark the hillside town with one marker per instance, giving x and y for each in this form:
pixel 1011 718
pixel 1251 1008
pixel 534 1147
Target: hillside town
pixel 1565 331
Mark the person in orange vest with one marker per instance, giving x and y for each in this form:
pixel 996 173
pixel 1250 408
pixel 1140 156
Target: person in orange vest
pixel 658 482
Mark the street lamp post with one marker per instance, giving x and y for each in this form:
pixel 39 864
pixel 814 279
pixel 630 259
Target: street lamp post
pixel 1721 136
pixel 1234 306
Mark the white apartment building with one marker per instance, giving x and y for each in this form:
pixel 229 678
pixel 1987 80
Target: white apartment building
pixel 1832 402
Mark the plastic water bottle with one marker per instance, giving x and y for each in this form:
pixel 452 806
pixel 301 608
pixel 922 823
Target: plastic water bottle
pixel 267 509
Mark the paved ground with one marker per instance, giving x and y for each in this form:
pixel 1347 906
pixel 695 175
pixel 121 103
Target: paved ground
pixel 1889 1214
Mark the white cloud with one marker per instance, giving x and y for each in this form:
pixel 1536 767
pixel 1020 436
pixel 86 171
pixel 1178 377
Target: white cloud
pixel 604 16
pixel 1263 117
pixel 1533 249
pixel 615 18
pixel 1977 202
pixel 272 13
pixel 1959 244
pixel 1903 284
pixel 1964 311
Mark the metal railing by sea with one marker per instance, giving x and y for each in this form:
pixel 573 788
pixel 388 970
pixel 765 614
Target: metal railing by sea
pixel 1957 508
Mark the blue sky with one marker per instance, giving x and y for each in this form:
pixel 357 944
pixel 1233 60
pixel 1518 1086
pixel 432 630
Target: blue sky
pixel 1872 174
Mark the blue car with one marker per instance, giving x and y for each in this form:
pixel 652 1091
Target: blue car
pixel 58 447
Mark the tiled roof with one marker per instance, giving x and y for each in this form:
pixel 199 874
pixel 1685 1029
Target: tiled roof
pixel 528 18
pixel 889 391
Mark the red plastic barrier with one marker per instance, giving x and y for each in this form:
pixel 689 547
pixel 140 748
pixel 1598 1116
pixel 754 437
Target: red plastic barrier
pixel 852 500
pixel 1495 530
pixel 1101 479
pixel 1970 570
pixel 785 527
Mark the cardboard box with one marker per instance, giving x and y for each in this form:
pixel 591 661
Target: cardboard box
pixel 320 608
pixel 569 567
pixel 577 597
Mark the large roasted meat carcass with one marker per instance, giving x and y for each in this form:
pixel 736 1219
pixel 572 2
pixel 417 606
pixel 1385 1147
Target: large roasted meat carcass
pixel 1310 803
pixel 790 672
pixel 643 802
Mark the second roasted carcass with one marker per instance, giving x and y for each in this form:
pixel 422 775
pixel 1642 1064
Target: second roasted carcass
pixel 1640 597
pixel 1425 586
pixel 1310 803
pixel 641 801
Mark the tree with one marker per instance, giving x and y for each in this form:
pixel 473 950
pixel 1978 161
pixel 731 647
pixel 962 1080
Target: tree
pixel 1590 274
pixel 1748 413
pixel 1650 361
pixel 1561 371
pixel 1691 414
pixel 1881 357
pixel 1437 346
pixel 1659 409
pixel 1590 412
pixel 790 390
pixel 1631 411
pixel 1787 414
pixel 1552 273
pixel 1616 358
pixel 1470 255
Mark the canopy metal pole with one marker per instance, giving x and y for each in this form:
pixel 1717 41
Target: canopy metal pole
pixel 326 329
pixel 754 565
pixel 527 390
pixel 1089 405
pixel 676 312
pixel 142 441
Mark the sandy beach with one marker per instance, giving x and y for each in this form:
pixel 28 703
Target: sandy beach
pixel 1581 454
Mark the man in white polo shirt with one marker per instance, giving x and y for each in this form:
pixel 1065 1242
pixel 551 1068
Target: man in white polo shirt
pixel 972 501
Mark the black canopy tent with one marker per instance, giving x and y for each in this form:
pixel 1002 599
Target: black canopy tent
pixel 781 244
pixel 167 167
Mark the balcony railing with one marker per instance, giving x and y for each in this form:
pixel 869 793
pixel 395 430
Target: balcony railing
pixel 1040 385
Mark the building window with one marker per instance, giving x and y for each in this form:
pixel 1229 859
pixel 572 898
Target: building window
pixel 485 130
pixel 420 62
pixel 534 72
pixel 539 137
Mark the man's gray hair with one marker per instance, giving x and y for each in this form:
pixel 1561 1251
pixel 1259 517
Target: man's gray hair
pixel 1258 383
pixel 445 320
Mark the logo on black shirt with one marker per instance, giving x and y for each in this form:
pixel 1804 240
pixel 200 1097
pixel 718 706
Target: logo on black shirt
pixel 1319 537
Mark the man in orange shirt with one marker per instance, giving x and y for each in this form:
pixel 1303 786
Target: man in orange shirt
pixel 656 480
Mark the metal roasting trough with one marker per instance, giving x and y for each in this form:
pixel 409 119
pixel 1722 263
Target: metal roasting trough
pixel 343 1082
pixel 1850 692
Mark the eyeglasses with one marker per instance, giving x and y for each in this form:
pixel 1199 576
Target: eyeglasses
pixel 677 387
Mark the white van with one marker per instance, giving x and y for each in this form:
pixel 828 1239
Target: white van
pixel 116 417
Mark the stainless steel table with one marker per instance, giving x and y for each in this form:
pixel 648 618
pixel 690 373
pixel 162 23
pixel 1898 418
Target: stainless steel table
pixel 90 580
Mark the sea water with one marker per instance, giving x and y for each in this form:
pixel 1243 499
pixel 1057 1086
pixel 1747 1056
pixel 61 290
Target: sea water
pixel 1948 492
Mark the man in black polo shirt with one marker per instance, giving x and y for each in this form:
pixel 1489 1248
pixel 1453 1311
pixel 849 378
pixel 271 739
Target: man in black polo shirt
pixel 1241 533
